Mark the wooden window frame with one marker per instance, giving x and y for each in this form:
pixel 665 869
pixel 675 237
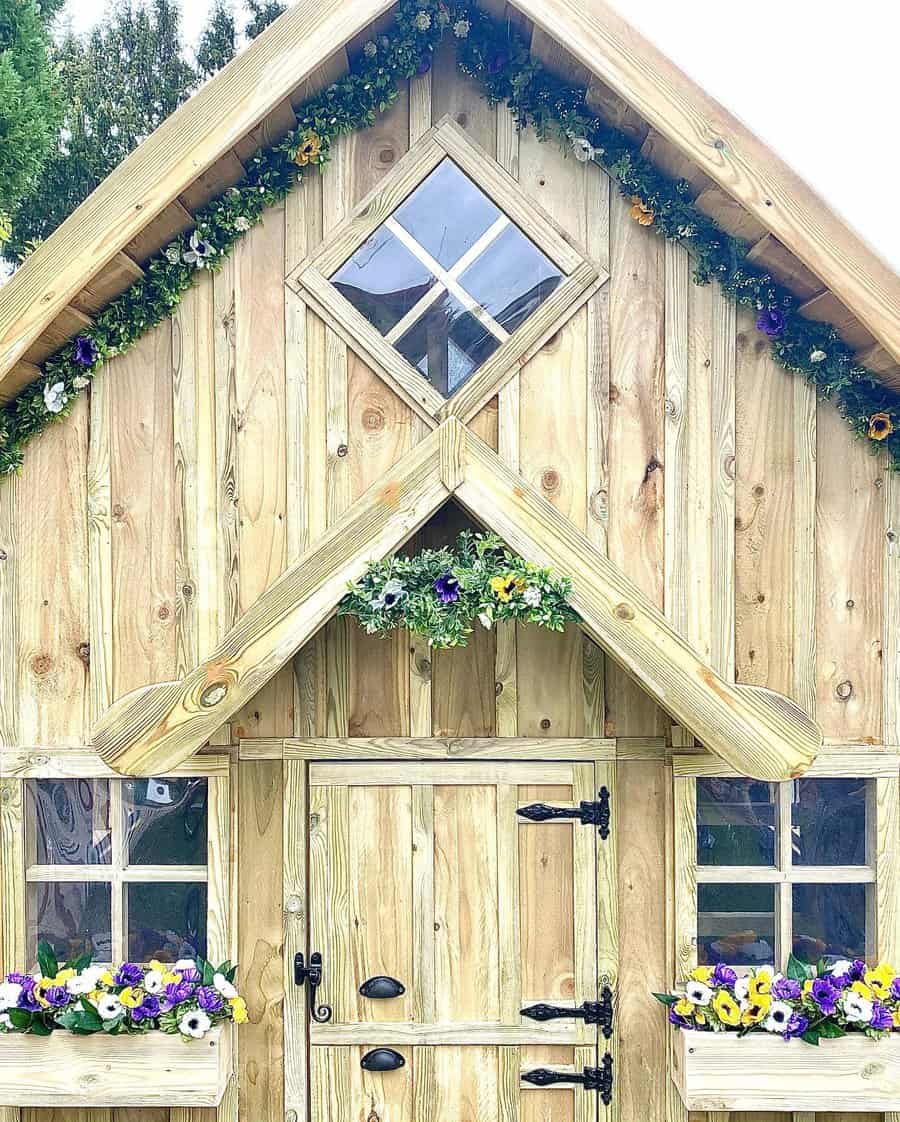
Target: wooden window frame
pixel 311 277
pixel 881 871
pixel 16 768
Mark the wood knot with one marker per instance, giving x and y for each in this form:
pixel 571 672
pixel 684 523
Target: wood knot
pixel 342 450
pixel 187 590
pixel 498 688
pixel 623 611
pixel 758 491
pixel 214 694
pixel 4 555
pixel 293 904
pixel 373 419
pixel 843 691
pixel 164 611
pixel 614 394
pixel 41 665
pixel 118 512
pixel 387 156
pixel 462 119
pixel 83 650
pixel 550 481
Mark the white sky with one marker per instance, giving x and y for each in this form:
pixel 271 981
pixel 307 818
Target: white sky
pixel 816 79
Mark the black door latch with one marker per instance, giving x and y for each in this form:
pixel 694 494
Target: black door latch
pixel 599 1079
pixel 311 975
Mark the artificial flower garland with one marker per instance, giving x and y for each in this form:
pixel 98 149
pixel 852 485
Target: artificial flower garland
pixel 494 53
pixel 188 997
pixel 440 593
pixel 809 1003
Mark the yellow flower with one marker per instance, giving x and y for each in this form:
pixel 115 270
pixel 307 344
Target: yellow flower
pixel 807 986
pixel 507 586
pixel 238 1010
pixel 107 979
pixel 131 997
pixel 640 212
pixel 863 990
pixel 727 1009
pixel 880 980
pixel 699 1018
pixel 702 974
pixel 756 1010
pixel 63 976
pixel 45 983
pixel 94 996
pixel 760 986
pixel 309 150
pixel 684 1008
pixel 170 977
pixel 895 1016
pixel 880 426
pixel 160 967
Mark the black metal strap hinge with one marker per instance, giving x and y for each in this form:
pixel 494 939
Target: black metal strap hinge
pixel 599 1079
pixel 588 814
pixel 591 1012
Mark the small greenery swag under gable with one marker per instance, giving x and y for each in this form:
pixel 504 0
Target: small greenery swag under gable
pixel 441 593
pixel 497 56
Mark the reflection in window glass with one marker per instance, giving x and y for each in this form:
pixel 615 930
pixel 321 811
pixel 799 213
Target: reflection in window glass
pixel 447 344
pixel 511 279
pixel 447 214
pixel 383 280
pixel 735 822
pixel 68 821
pixel 736 924
pixel 74 918
pixel 829 921
pixel 166 921
pixel 165 821
pixel 828 821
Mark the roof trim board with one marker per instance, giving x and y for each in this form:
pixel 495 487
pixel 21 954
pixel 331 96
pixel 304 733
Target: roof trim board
pixel 197 134
pixel 756 731
pixel 729 153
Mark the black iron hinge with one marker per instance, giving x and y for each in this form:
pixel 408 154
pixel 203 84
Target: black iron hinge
pixel 599 1079
pixel 588 814
pixel 591 1012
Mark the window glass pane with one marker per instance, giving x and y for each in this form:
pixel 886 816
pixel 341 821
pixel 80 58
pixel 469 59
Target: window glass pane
pixel 736 924
pixel 166 821
pixel 68 822
pixel 73 917
pixel 383 280
pixel 829 920
pixel 735 822
pixel 511 279
pixel 166 921
pixel 447 344
pixel 828 821
pixel 447 214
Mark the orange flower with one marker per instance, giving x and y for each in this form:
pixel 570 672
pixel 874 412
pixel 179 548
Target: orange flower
pixel 309 150
pixel 880 426
pixel 640 212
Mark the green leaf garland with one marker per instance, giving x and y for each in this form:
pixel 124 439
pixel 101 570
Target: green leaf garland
pixel 498 57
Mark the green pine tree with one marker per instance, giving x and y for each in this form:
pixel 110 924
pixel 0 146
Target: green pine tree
pixel 218 41
pixel 262 13
pixel 29 107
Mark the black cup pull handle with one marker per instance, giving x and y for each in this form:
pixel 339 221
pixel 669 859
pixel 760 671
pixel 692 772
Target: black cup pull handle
pixel 382 1059
pixel 382 988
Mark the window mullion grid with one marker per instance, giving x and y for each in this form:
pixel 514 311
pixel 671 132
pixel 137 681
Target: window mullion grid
pixel 119 899
pixel 784 860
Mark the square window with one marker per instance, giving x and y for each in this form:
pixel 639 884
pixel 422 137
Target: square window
pixel 735 822
pixel 447 344
pixel 165 821
pixel 828 821
pixel 68 822
pixel 735 924
pixel 74 917
pixel 829 921
pixel 166 921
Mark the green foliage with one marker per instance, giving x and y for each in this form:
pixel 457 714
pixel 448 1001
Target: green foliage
pixel 262 13
pixel 440 593
pixel 47 960
pixel 29 106
pixel 82 1019
pixel 218 40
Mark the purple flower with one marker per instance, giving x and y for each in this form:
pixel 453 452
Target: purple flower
pixel 857 970
pixel 825 995
pixel 498 62
pixel 86 351
pixel 674 1019
pixel 27 1000
pixel 796 1026
pixel 771 322
pixel 190 975
pixel 895 989
pixel 723 975
pixel 18 979
pixel 447 588
pixel 209 999
pixel 785 989
pixel 128 975
pixel 881 1017
pixel 424 63
pixel 57 996
pixel 147 1010
pixel 176 993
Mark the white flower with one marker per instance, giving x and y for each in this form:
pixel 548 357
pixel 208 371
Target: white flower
pixel 370 50
pixel 185 964
pixel 55 397
pixel 200 252
pixel 109 1007
pixel 698 993
pixel 532 596
pixel 742 988
pixel 85 982
pixel 486 620
pixel 686 231
pixel 173 253
pixel 842 966
pixel 153 981
pixel 242 223
pixel 461 28
pixel 856 1007
pixel 818 356
pixel 80 382
pixel 5 1021
pixel 195 1023
pixel 391 592
pixel 422 21
pixel 583 149
pixel 225 988
pixel 779 1015
pixel 9 995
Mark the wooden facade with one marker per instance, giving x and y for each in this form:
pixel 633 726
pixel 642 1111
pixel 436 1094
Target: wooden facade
pixel 229 441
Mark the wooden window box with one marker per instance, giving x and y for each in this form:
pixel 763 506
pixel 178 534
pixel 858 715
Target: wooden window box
pixel 157 1069
pixel 720 1071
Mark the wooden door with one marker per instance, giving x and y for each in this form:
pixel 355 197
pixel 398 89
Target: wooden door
pixel 425 873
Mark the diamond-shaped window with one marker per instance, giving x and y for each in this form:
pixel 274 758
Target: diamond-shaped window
pixel 441 274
